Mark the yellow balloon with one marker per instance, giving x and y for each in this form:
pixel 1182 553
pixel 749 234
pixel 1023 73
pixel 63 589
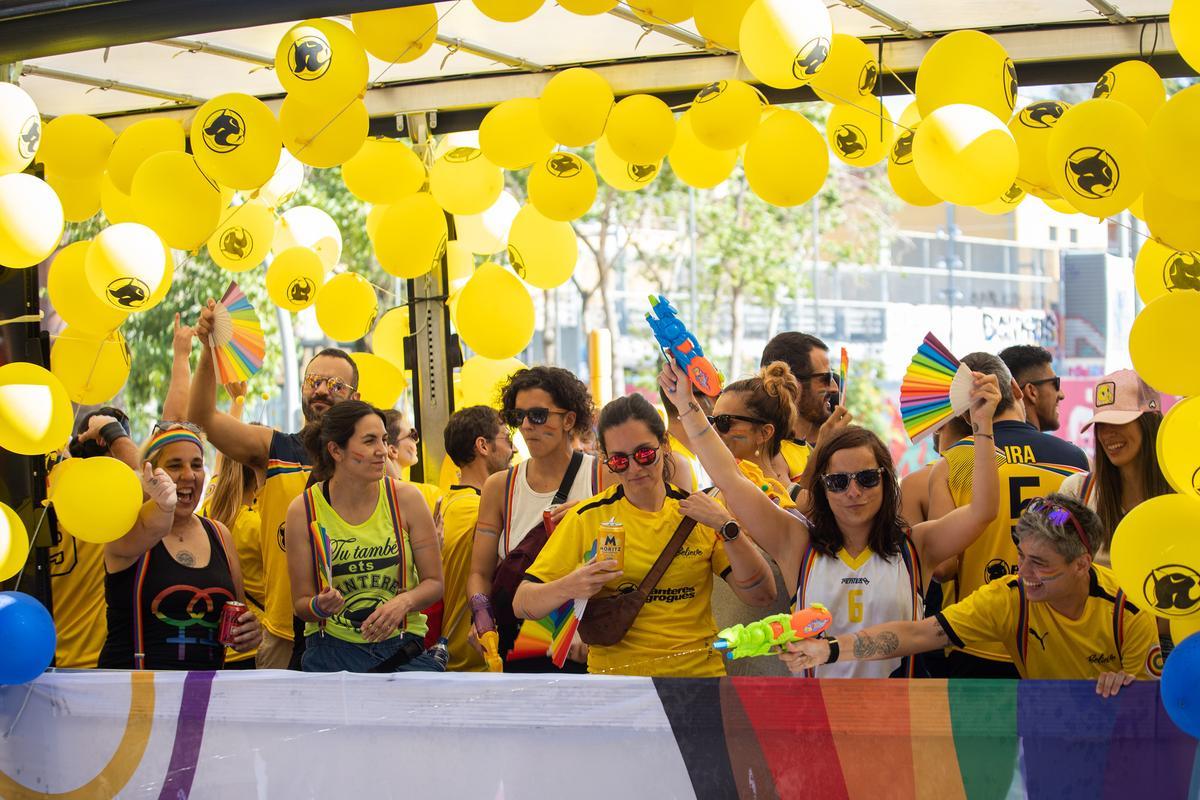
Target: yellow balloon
pixel 374 217
pixel 849 74
pixel 662 12
pixel 620 174
pixel 137 143
pixel 486 233
pixel 1183 628
pixel 35 412
pixel 309 226
pixel 574 106
pixel 98 500
pixel 384 170
pixel 965 155
pixel 116 205
pixel 1171 219
pixel 784 43
pixel 31 220
pixel 411 236
pixel 508 10
pixel 379 381
pixel 1160 270
pixel 294 278
pixel 1171 144
pixel 1006 203
pixel 1178 453
pixel 322 62
pixel 236 140
pixel 967 67
pixel 20 130
pixel 1134 83
pixel 495 313
pixel 92 368
pixel 323 136
pixel 1031 128
pixel 72 300
pixel 75 144
pixel 244 236
pixel 463 181
pixel 1156 556
pixel 80 196
pixel 902 172
pixel 786 159
pixel 588 8
pixel 511 135
pixel 14 543
pixel 562 186
pixel 911 116
pixel 347 307
pixel 284 184
pixel 858 136
pixel 1185 30
pixel 387 340
pixel 481 379
pixel 397 35
pixel 542 251
pixel 1137 208
pixel 725 114
pixel 641 129
pixel 1055 203
pixel 460 265
pixel 175 198
pixel 695 163
pixel 1159 343
pixel 164 285
pixel 719 21
pixel 1097 157
pixel 125 266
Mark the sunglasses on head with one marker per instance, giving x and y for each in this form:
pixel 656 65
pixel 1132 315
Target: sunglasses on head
pixel 1056 515
pixel 838 482
pixel 334 385
pixel 723 422
pixel 514 417
pixel 644 455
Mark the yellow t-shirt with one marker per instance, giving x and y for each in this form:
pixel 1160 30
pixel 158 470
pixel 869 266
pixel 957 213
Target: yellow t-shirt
pixel 430 492
pixel 247 540
pixel 460 510
pixel 993 555
pixel 796 455
pixel 693 462
pixel 673 633
pixel 287 475
pixel 1046 645
pixel 773 488
pixel 77 592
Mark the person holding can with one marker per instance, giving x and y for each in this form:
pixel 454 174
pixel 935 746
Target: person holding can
pixel 638 521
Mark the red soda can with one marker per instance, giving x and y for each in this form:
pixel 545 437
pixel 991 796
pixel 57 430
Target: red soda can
pixel 547 518
pixel 229 620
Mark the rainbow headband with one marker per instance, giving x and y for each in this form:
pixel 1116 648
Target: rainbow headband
pixel 171 437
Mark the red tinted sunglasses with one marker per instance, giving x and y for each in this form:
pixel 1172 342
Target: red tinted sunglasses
pixel 619 462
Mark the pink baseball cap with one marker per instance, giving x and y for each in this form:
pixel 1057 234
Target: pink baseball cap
pixel 1122 397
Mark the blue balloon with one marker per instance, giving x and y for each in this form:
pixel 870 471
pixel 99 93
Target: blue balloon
pixel 28 635
pixel 1180 687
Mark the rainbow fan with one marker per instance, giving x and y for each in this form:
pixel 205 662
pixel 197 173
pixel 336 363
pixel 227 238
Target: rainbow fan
pixel 237 337
pixel 552 633
pixel 935 387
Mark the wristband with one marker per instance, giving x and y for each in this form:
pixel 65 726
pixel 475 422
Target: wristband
pixel 834 651
pixel 316 609
pixel 111 432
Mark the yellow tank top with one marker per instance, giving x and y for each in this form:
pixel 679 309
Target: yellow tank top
pixel 247 540
pixel 287 475
pixel 77 592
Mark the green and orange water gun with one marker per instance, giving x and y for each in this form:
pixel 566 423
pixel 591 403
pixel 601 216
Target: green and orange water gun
pixel 770 635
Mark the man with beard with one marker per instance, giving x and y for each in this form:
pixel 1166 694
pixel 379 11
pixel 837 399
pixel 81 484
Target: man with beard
pixel 330 377
pixel 1032 367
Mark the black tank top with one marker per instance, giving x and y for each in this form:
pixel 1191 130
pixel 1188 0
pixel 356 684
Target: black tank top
pixel 179 609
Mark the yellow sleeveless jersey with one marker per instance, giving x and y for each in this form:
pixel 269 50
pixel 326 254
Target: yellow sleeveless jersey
pixel 796 455
pixel 460 510
pixel 287 475
pixel 77 593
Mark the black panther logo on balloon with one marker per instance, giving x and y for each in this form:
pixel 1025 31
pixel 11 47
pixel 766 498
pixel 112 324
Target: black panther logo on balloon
pixel 1105 86
pixel 810 58
pixel 1174 589
pixel 29 137
pixel 300 290
pixel 461 155
pixel 129 292
pixel 1043 115
pixel 641 173
pixel 867 78
pixel 1092 173
pixel 710 92
pixel 902 149
pixel 850 141
pixel 224 130
pixel 1010 83
pixel 564 165
pixel 517 261
pixel 1196 480
pixel 236 243
pixel 1013 195
pixel 310 58
pixel 1182 272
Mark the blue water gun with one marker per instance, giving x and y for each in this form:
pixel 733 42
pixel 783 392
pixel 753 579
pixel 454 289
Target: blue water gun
pixel 677 342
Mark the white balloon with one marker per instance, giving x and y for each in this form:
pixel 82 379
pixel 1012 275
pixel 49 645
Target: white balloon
pixel 487 233
pixel 289 175
pixel 308 226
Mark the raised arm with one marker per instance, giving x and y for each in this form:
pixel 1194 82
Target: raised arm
pixel 941 538
pixel 876 643
pixel 153 522
pixel 175 407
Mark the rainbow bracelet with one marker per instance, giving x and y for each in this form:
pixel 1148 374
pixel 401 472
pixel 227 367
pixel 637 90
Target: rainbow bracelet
pixel 317 612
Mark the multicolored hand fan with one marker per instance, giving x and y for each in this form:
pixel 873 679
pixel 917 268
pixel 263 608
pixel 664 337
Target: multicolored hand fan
pixel 237 337
pixel 935 387
pixel 552 633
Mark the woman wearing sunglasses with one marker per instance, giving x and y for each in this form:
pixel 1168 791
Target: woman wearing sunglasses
pixel 672 632
pixel 856 556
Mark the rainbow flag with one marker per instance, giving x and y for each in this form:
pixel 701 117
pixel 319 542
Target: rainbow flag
pixel 845 369
pixel 552 633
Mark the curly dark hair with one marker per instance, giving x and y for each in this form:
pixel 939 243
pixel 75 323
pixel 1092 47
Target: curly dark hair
pixel 569 393
pixel 465 427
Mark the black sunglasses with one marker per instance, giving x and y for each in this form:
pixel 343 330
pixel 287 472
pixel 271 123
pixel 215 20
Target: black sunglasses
pixel 413 434
pixel 513 417
pixel 838 482
pixel 827 378
pixel 644 455
pixel 723 422
pixel 1056 380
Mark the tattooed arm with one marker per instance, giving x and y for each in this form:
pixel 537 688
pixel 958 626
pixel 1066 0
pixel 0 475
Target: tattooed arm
pixel 889 640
